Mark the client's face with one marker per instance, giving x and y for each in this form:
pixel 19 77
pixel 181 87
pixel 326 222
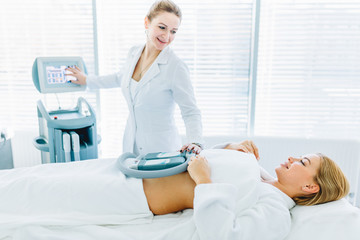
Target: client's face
pixel 299 173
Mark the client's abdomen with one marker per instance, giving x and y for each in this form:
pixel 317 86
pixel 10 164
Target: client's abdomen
pixel 169 194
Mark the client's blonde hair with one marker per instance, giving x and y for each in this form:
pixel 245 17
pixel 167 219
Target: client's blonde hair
pixel 332 182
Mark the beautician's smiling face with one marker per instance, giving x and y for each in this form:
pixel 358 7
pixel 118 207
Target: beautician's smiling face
pixel 162 29
pixel 299 172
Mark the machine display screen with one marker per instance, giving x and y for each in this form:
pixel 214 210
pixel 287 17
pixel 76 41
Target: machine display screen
pixel 56 74
pixel 49 74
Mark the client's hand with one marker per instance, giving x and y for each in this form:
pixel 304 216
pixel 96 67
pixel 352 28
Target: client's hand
pixel 191 147
pixel 76 72
pixel 199 170
pixel 246 146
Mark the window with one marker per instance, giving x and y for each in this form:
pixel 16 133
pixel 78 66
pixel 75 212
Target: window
pixel 308 62
pixel 308 81
pixel 29 29
pixel 214 40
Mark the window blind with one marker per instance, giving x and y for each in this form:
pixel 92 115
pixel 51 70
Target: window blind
pixel 29 29
pixel 308 81
pixel 214 40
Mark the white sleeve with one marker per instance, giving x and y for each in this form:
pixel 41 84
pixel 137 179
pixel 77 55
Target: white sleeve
pixel 107 81
pixel 215 218
pixel 183 94
pixel 111 80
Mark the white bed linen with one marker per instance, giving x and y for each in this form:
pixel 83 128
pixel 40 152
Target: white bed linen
pixel 177 226
pixel 70 194
pixel 331 221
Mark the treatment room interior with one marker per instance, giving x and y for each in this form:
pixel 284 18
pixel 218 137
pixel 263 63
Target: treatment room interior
pixel 283 73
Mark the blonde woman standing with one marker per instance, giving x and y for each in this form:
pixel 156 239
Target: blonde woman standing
pixel 153 80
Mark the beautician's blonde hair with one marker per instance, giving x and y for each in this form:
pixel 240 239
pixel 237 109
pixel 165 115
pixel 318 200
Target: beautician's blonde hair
pixel 163 6
pixel 332 181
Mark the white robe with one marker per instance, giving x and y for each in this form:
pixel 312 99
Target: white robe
pixel 261 211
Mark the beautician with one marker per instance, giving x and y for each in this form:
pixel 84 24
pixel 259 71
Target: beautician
pixel 153 79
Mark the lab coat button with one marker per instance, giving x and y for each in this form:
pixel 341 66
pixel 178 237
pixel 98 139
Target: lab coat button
pixel 141 148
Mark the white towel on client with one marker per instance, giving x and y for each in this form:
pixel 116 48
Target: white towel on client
pixel 85 192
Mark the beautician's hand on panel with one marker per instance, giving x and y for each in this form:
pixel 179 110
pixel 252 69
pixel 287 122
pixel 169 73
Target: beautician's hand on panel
pixel 76 72
pixel 246 146
pixel 199 170
pixel 191 147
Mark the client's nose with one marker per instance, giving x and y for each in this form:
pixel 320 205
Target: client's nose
pixel 293 159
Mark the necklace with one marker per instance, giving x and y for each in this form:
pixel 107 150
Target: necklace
pixel 147 66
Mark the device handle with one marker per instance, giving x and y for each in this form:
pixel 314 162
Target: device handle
pixel 41 143
pixel 42 110
pixel 2 143
pixel 79 105
pixel 148 174
pixel 2 136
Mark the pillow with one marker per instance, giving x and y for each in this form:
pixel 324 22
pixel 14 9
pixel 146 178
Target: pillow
pixel 331 221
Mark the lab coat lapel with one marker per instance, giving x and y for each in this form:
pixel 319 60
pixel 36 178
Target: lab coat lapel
pixel 134 59
pixel 154 70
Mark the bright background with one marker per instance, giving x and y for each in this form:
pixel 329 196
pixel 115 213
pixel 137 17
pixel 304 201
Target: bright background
pixel 269 68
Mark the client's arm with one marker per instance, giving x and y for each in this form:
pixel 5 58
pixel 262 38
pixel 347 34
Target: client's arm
pixel 246 146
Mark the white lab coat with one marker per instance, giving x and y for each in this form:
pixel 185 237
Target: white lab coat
pixel 151 123
pixel 264 215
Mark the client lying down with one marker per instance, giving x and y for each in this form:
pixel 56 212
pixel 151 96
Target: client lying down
pixel 223 186
pixel 231 201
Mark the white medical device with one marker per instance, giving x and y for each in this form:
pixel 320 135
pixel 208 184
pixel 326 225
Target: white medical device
pixel 154 165
pixel 6 157
pixel 75 145
pixel 67 146
pixel 49 74
pixel 65 134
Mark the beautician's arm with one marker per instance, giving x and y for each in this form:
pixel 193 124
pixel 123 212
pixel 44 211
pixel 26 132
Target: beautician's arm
pixel 106 81
pixel 95 82
pixel 184 96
